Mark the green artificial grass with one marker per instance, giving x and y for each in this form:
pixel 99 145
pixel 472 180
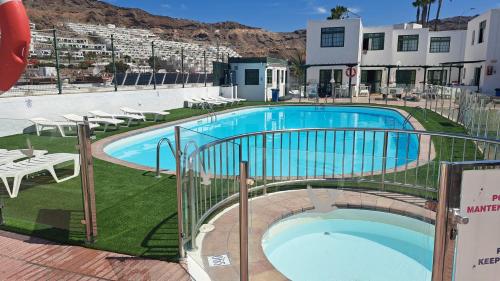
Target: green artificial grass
pixel 136 212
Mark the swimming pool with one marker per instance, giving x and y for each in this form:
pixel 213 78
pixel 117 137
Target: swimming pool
pixel 141 149
pixel 351 244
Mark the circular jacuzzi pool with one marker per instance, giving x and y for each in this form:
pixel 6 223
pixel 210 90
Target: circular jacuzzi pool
pixel 351 245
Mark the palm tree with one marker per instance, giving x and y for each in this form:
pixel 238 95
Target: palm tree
pixel 417 4
pixel 297 65
pixel 429 10
pixel 338 13
pixel 425 13
pixel 438 12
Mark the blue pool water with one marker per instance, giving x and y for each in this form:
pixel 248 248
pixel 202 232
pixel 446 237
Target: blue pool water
pixel 351 244
pixel 304 154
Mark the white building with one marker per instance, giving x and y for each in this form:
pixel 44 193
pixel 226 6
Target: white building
pixel 257 77
pixel 404 54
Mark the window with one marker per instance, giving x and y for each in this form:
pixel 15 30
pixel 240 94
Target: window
pixel 373 41
pixel 473 36
pixel 251 77
pixel 337 75
pixel 408 43
pixel 482 28
pixel 435 78
pixel 440 45
pixel 269 76
pixel 282 76
pixel 406 77
pixel 332 37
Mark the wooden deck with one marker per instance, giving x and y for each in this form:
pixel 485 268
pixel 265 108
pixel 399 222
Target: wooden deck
pixel 27 258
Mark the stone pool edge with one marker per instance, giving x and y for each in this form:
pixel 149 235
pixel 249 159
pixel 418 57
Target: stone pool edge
pixel 98 146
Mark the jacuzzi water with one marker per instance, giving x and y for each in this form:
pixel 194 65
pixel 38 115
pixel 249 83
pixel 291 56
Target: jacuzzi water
pixel 351 245
pixel 342 152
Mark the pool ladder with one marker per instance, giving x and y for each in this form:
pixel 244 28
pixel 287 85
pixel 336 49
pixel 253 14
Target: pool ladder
pixel 158 147
pixel 410 115
pixel 211 112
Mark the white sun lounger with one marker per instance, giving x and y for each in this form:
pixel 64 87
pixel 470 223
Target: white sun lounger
pixel 129 118
pixel 223 99
pixel 42 124
pixel 106 122
pixel 237 99
pixel 214 102
pixel 194 103
pixel 8 156
pixel 143 113
pixel 18 170
pixel 204 103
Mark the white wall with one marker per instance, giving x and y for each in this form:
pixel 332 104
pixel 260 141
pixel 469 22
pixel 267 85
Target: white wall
pixel 410 58
pixel 250 92
pixel 379 57
pixel 489 51
pixel 350 53
pixel 460 49
pixel 457 47
pixel 281 85
pixel 261 92
pixel 15 112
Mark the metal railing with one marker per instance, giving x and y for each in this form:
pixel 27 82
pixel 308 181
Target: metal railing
pixel 85 59
pixel 158 152
pixel 477 112
pixel 210 110
pixel 400 161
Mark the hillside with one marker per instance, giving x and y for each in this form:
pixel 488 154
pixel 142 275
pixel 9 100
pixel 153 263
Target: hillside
pixel 246 40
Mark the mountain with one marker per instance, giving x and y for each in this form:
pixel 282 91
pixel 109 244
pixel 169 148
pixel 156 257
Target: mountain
pixel 453 23
pixel 246 40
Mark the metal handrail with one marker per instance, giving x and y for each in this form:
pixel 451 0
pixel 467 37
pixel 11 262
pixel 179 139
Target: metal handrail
pixel 420 168
pixel 401 131
pixel 210 110
pixel 158 149
pixel 408 117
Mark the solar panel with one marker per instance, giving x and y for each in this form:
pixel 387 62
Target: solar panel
pixel 131 79
pixel 210 78
pixel 159 78
pixel 170 78
pixel 119 77
pixel 144 79
pixel 193 78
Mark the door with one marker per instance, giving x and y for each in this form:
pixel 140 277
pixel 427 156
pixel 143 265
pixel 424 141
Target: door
pixel 325 87
pixel 435 77
pixel 477 76
pixel 373 79
pixel 278 82
pixel 406 77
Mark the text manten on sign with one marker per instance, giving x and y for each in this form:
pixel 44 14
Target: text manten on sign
pixel 478 244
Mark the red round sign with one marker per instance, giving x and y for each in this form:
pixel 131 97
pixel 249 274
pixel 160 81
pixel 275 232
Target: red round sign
pixel 350 72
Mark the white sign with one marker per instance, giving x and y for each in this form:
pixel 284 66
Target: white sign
pixel 478 244
pixel 221 260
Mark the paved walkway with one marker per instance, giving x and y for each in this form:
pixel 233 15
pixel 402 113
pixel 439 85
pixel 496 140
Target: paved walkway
pixel 27 258
pixel 265 210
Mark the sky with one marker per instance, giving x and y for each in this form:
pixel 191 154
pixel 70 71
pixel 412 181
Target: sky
pixel 289 15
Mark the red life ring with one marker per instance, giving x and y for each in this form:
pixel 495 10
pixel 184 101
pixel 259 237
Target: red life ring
pixel 14 42
pixel 351 72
